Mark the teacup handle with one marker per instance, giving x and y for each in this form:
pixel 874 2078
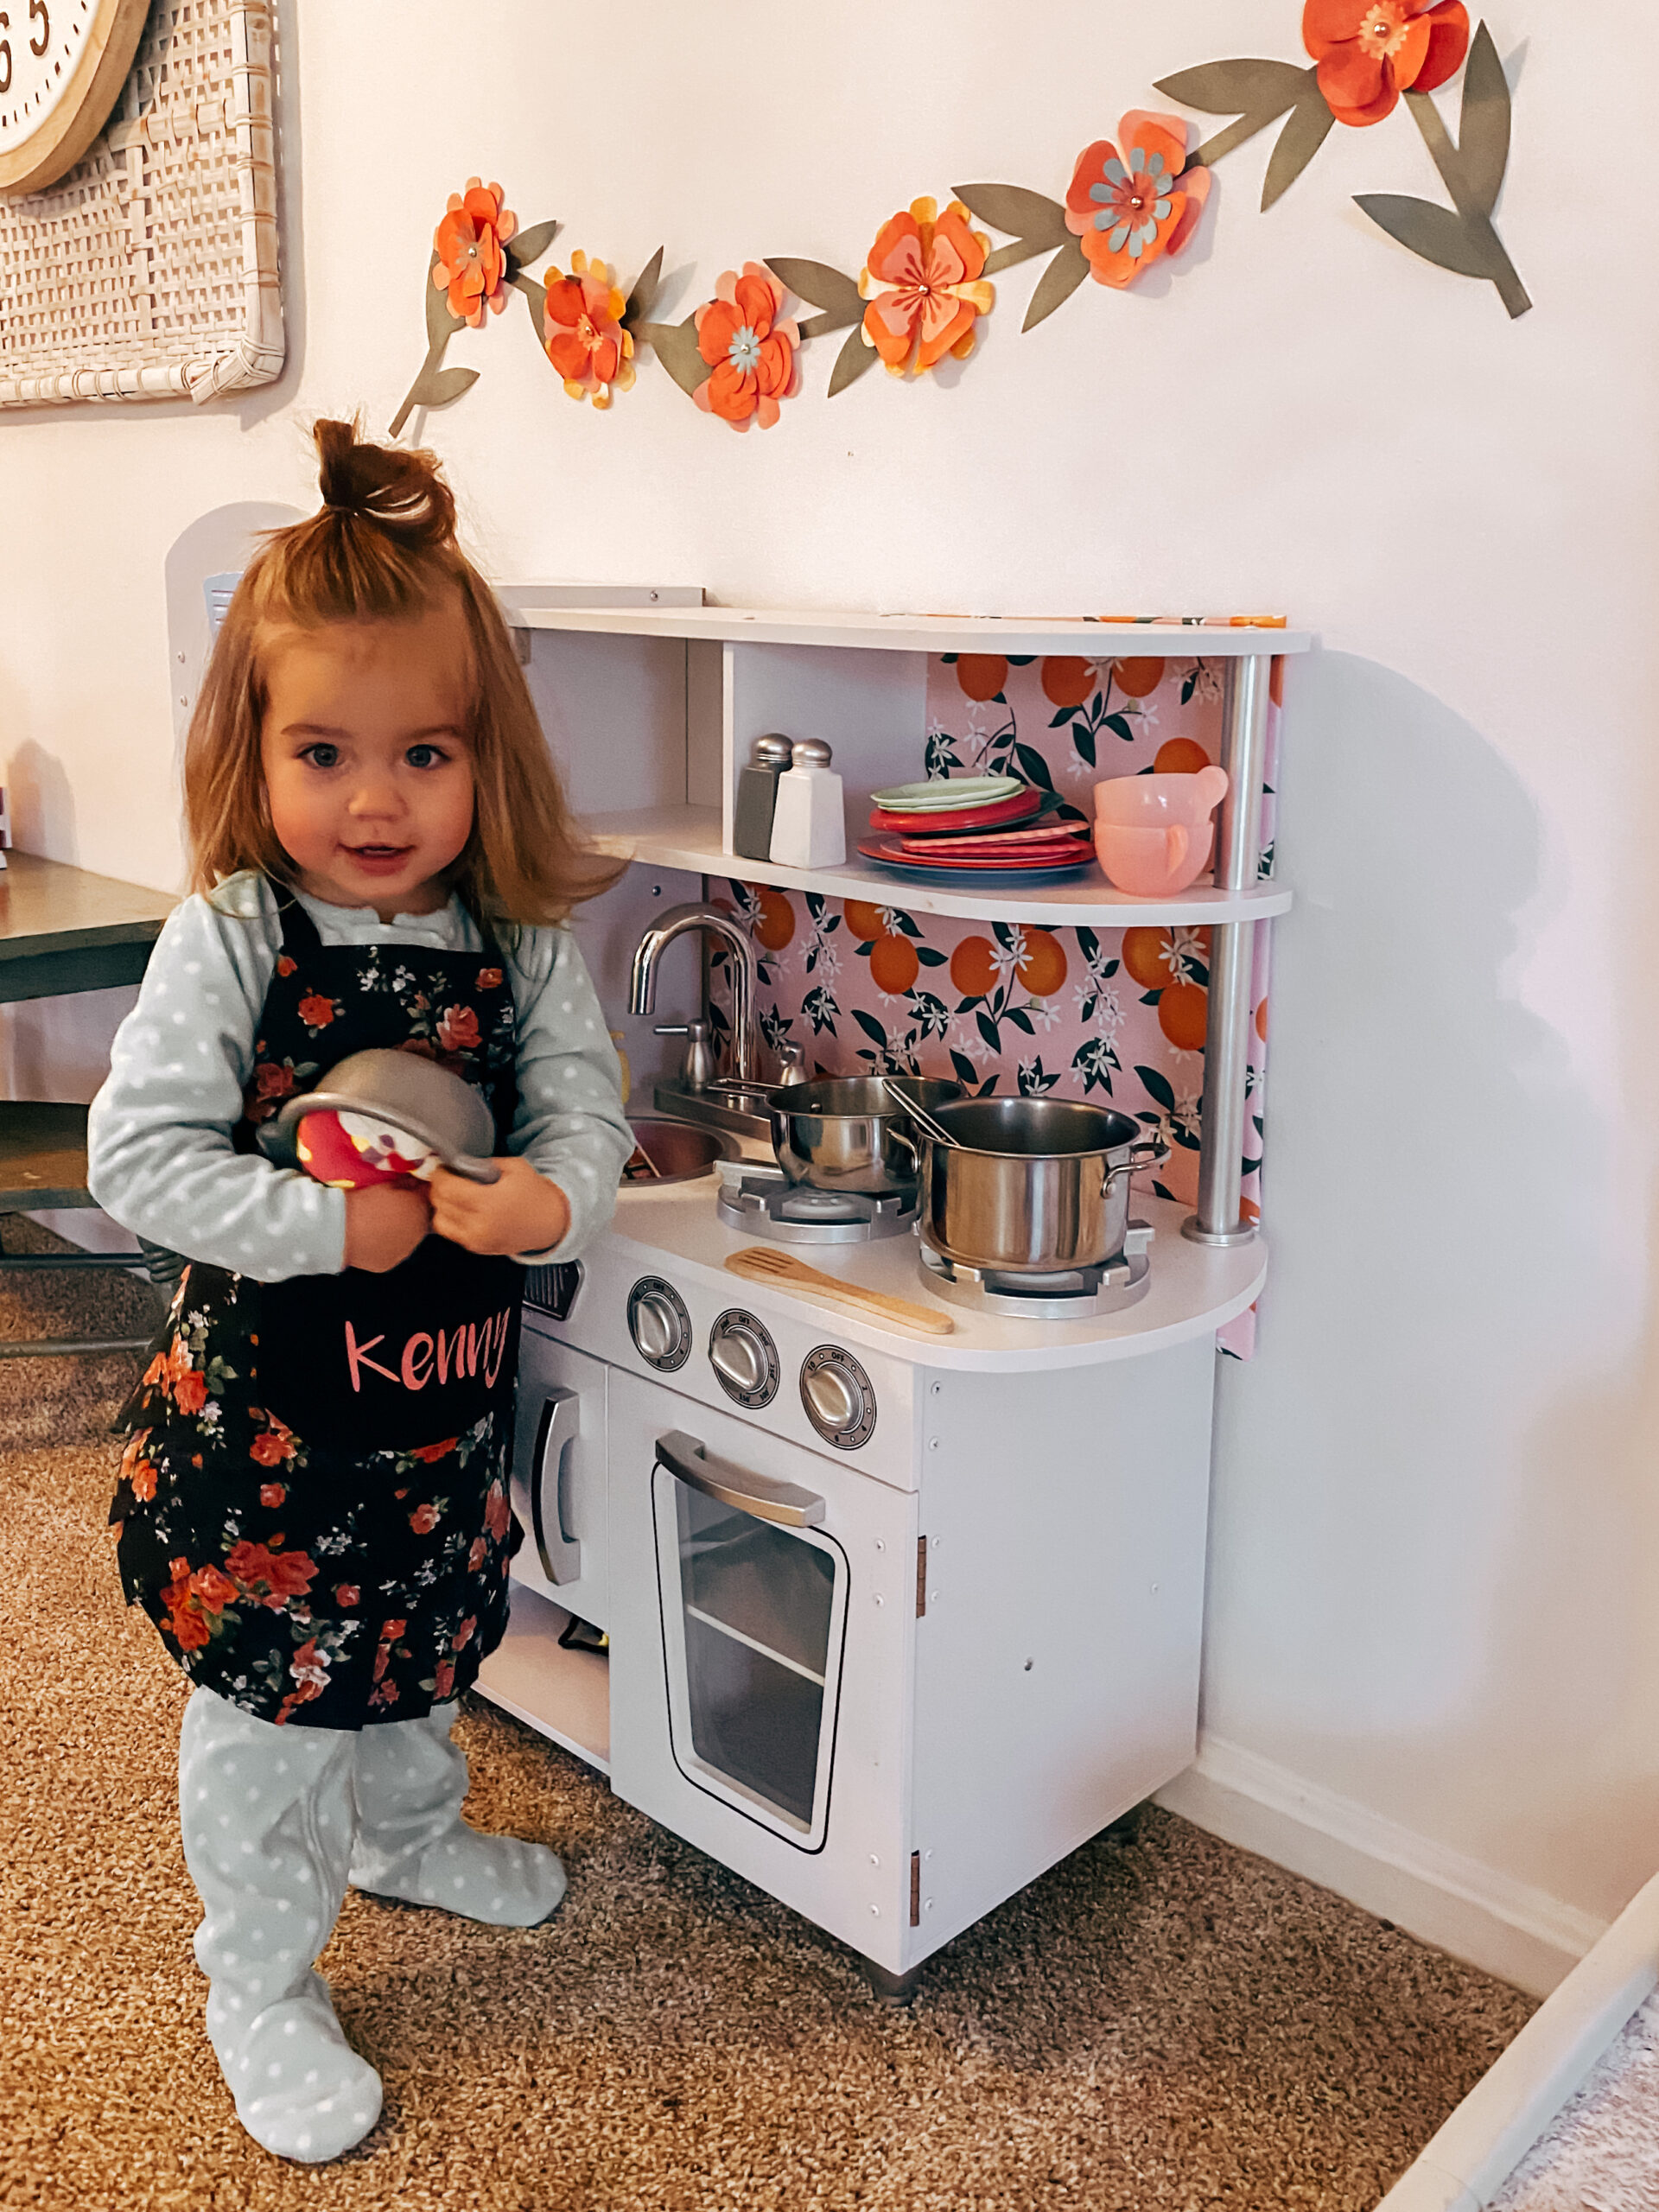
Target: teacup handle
pixel 1176 843
pixel 1212 788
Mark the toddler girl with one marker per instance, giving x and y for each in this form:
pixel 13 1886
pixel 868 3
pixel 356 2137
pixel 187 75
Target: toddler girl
pixel 312 1505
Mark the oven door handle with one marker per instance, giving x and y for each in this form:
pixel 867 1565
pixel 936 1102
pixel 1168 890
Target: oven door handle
pixel 782 1503
pixel 540 1486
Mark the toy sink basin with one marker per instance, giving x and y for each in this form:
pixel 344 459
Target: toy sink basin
pixel 407 1093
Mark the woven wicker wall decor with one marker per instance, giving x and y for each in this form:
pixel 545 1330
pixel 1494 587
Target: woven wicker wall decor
pixel 150 270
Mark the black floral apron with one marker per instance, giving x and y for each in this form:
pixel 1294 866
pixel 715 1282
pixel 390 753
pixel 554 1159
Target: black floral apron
pixel 314 1498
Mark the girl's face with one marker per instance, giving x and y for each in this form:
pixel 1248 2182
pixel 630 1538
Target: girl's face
pixel 365 761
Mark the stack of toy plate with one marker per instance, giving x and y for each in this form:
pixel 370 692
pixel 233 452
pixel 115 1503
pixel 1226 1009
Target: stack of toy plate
pixel 984 829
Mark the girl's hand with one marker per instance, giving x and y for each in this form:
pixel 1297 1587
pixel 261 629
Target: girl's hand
pixel 524 1212
pixel 383 1223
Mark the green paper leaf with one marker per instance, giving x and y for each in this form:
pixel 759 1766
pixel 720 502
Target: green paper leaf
pixel 1483 133
pixel 1057 283
pixel 1309 126
pixel 1433 233
pixel 643 297
pixel 440 325
pixel 437 387
pixel 1036 220
pixel 1264 88
pixel 675 346
pixel 820 286
pixel 851 362
pixel 1009 257
pixel 535 297
pixel 530 245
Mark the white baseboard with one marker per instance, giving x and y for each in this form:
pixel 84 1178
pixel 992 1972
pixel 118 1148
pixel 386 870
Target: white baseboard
pixel 1522 1935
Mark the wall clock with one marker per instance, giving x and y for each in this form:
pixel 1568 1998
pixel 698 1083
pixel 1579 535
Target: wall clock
pixel 62 65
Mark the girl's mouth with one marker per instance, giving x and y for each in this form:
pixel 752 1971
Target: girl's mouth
pixel 379 860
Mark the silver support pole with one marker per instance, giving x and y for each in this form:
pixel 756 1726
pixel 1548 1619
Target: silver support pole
pixel 1232 959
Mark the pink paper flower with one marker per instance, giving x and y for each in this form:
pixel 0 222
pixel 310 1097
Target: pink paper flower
pixel 924 285
pixel 472 268
pixel 750 351
pixel 581 323
pixel 1132 208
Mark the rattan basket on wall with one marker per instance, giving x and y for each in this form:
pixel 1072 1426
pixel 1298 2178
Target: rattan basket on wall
pixel 150 269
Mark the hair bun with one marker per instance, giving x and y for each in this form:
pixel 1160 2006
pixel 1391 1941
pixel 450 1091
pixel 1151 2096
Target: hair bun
pixel 400 489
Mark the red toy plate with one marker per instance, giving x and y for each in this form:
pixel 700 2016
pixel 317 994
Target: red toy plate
pixel 1016 809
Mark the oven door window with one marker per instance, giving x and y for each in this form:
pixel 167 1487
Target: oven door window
pixel 754 1617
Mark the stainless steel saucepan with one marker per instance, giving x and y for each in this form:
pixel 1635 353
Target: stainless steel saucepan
pixel 851 1133
pixel 1030 1185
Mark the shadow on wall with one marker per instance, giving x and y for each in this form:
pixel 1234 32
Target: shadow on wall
pixel 1424 1583
pixel 42 803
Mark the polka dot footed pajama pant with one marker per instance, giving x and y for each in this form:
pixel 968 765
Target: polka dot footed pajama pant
pixel 276 1822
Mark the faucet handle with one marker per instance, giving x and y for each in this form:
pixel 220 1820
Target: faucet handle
pixel 698 1067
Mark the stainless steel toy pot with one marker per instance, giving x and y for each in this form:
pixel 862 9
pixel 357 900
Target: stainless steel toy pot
pixel 849 1133
pixel 1031 1186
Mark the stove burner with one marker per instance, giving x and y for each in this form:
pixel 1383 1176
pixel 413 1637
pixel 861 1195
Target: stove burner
pixel 763 1204
pixel 1072 1294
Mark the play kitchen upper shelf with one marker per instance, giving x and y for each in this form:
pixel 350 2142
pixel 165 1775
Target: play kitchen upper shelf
pixel 678 611
pixel 691 837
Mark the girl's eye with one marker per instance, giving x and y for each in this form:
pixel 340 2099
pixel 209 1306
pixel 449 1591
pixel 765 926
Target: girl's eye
pixel 321 755
pixel 425 756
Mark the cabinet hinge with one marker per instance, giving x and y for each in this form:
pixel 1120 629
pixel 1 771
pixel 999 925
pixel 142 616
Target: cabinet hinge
pixel 915 1889
pixel 921 1576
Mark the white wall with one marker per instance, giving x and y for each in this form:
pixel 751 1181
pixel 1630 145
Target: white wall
pixel 1437 1520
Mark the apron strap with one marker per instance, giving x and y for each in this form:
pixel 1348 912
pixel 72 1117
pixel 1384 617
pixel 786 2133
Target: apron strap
pixel 299 934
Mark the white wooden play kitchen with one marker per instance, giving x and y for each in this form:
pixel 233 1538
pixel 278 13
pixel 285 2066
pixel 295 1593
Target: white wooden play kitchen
pixel 895 1620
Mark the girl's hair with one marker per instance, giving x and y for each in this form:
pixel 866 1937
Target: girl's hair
pixel 382 548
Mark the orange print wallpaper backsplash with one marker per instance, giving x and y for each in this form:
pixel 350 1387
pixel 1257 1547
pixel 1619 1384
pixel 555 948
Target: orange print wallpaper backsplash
pixel 1114 1016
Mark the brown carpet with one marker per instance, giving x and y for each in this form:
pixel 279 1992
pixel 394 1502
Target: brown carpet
pixel 1162 2021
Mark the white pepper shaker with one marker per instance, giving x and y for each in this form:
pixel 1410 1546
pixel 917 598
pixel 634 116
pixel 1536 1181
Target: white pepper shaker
pixel 808 824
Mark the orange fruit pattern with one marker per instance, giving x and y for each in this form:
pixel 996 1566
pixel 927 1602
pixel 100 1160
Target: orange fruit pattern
pixel 894 965
pixel 864 921
pixel 1139 679
pixel 1143 957
pixel 1181 756
pixel 982 676
pixel 1043 969
pixel 973 967
pixel 1182 1013
pixel 1067 682
pixel 775 920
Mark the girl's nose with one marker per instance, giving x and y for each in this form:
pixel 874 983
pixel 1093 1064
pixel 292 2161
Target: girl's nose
pixel 377 797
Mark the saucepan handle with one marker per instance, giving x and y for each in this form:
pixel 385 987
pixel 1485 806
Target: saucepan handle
pixel 1145 1152
pixel 474 1171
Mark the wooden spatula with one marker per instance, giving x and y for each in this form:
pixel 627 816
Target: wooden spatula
pixel 767 1263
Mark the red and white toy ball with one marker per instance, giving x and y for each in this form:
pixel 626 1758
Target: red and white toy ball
pixel 350 1150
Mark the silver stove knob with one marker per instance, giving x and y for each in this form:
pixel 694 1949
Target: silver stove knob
pixel 838 1397
pixel 744 1358
pixel 658 1323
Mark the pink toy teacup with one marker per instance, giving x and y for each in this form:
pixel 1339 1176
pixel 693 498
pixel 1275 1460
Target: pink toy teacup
pixel 1154 834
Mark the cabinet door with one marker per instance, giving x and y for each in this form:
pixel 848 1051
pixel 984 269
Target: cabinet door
pixel 558 1482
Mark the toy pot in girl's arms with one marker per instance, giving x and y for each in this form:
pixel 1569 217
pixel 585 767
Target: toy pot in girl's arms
pixel 1154 834
pixel 389 1117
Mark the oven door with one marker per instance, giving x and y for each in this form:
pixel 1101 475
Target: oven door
pixel 763 1624
pixel 753 1599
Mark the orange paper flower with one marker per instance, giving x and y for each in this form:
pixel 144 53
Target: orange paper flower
pixel 925 288
pixel 1132 208
pixel 582 330
pixel 750 353
pixel 1370 51
pixel 472 268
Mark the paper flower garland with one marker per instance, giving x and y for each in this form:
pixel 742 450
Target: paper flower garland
pixel 582 332
pixel 1131 203
pixel 750 350
pixel 1131 209
pixel 924 285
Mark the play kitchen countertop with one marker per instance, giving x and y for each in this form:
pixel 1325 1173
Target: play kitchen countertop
pixel 1194 1288
pixel 63 929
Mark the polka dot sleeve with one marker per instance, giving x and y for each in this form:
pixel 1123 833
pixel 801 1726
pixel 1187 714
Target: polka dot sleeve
pixel 159 1154
pixel 570 1125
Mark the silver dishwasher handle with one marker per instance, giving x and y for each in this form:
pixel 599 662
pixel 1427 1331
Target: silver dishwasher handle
pixel 781 1502
pixel 548 1473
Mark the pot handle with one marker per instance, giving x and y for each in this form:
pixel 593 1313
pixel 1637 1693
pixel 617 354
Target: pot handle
pixel 898 1135
pixel 1145 1152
